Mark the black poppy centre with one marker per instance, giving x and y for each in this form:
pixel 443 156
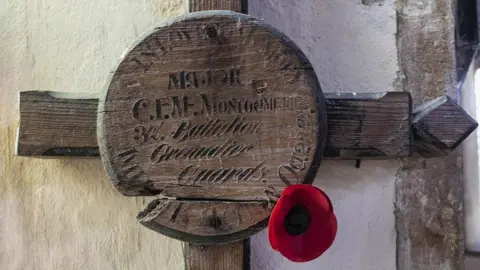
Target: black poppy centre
pixel 297 220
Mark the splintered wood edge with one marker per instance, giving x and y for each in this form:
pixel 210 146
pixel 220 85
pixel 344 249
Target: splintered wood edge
pixel 53 141
pixel 163 215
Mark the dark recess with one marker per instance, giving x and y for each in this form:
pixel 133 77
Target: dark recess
pixel 246 254
pixel 373 2
pixel 466 34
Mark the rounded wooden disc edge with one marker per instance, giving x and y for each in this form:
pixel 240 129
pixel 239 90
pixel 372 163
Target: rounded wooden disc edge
pixel 143 219
pixel 320 99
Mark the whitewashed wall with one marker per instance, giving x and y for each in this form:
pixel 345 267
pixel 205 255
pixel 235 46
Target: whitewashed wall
pixel 352 48
pixel 64 214
pixel 470 100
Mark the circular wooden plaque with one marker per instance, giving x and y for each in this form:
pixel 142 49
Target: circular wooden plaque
pixel 213 105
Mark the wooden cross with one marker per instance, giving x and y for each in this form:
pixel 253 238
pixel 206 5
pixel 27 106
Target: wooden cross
pixel 216 113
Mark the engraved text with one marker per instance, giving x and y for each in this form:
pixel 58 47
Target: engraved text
pixel 214 128
pixel 165 152
pixel 195 175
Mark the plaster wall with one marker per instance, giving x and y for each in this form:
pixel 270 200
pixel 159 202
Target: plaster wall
pixel 352 48
pixel 470 102
pixel 64 214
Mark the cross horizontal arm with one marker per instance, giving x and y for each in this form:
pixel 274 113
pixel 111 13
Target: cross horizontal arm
pixel 360 126
pixel 57 124
pixel 373 125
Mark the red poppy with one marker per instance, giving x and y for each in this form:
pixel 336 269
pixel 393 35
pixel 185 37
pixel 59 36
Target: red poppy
pixel 302 225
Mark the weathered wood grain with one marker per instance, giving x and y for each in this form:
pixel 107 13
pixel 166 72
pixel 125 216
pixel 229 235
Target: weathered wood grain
pixel 352 120
pixel 231 256
pixel 368 125
pixel 233 5
pixel 57 124
pixel 205 222
pixel 195 104
pixel 440 126
pixel 346 116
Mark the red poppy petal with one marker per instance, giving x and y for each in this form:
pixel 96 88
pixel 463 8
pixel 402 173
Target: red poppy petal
pixel 321 232
pixel 328 199
pixel 276 229
pixel 315 241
